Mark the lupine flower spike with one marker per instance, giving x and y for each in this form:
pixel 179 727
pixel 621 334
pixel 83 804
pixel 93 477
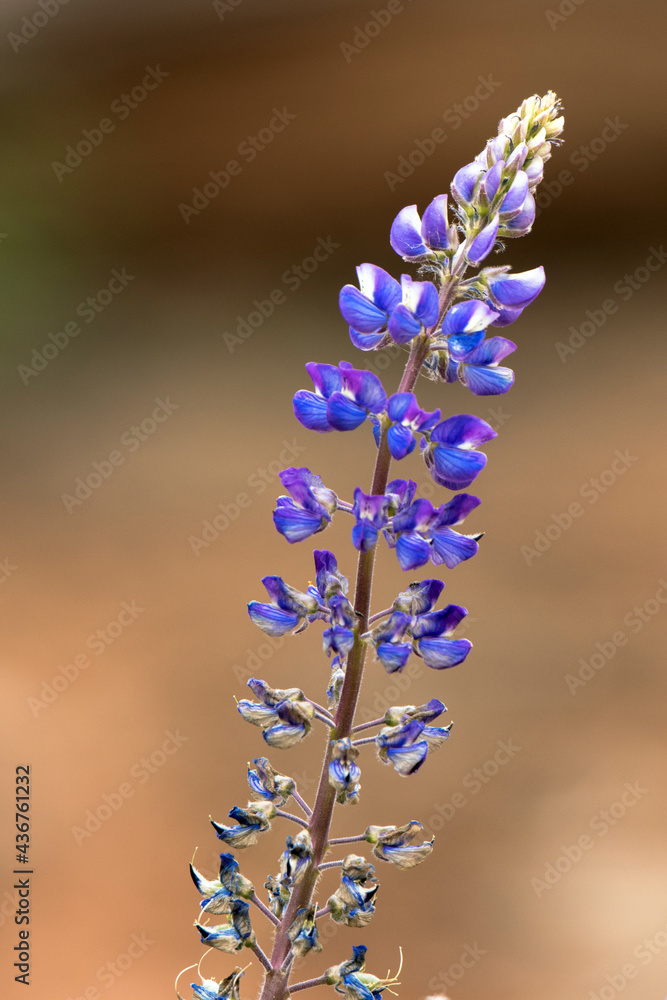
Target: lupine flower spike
pixel 444 317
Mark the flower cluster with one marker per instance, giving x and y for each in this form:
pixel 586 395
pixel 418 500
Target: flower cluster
pixel 442 318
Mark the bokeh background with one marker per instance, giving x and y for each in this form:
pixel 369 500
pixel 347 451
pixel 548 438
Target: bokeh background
pixel 175 667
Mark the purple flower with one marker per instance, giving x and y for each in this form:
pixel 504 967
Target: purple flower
pixel 371 515
pixel 367 309
pixel 514 200
pixel 392 643
pixel 422 532
pixel 309 508
pixel 344 773
pixel 479 370
pixel 406 746
pixel 413 237
pixel 407 419
pixel 465 323
pixel 287 609
pixel 431 633
pixel 339 638
pixel 395 844
pixel 342 400
pixel 521 224
pixel 451 456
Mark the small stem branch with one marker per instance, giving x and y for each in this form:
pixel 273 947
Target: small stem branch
pixel 346 840
pixel 265 910
pixel 325 719
pixel 380 614
pixel 366 739
pixel 320 708
pixel 295 819
pixel 261 956
pixel 323 912
pixel 300 802
pixel 330 864
pixel 307 983
pixel 369 725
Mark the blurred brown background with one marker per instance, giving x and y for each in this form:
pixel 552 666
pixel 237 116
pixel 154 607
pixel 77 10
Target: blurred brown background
pixel 170 667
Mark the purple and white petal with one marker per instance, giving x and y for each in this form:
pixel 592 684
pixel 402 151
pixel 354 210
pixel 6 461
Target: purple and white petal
pixel 516 196
pixel 405 235
pixel 487 381
pixel 470 316
pixel 438 623
pixel 403 325
pixel 326 378
pixel 379 286
pixel 343 414
pixel 365 388
pixel 518 290
pixel 272 620
pixel 393 655
pixel 366 341
pixel 421 298
pixel 491 351
pixel 296 524
pixel 491 180
pixel 455 468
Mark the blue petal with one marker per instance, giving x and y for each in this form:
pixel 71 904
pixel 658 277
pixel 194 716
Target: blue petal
pixel 365 387
pixel 311 411
pixel 343 414
pixel 296 524
pixel 463 430
pixel 491 351
pixel 507 315
pixel 460 345
pixel 394 655
pixel 272 620
pixel 366 341
pixel 521 223
pixel 364 536
pixel 434 224
pixel 326 378
pixel 412 551
pixel 421 298
pixel 359 312
pixel 402 405
pixel 451 548
pixel 403 326
pixel 401 441
pixel 483 244
pixel 443 653
pixel 456 468
pixel 488 381
pixel 438 623
pixel 405 235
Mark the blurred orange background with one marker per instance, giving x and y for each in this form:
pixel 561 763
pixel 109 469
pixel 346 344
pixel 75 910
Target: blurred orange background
pixel 149 639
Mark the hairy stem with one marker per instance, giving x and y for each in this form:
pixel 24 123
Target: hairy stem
pixel 275 983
